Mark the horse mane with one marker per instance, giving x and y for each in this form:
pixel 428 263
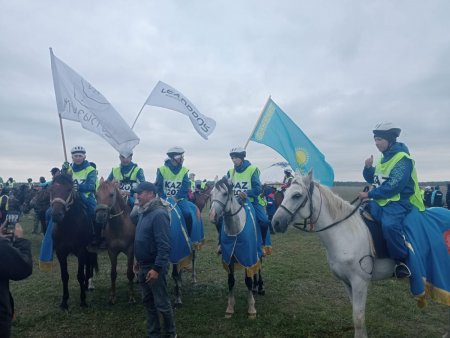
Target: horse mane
pixel 337 207
pixel 223 184
pixel 63 179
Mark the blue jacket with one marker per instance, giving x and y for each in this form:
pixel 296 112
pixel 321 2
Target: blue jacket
pixel 152 238
pixel 256 189
pixel 185 185
pixel 400 180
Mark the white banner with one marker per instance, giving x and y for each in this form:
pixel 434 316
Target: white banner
pixel 165 96
pixel 78 100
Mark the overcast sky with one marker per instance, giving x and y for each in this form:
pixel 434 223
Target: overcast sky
pixel 336 68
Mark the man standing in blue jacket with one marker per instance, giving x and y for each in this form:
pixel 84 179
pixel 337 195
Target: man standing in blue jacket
pixel 151 249
pixel 395 191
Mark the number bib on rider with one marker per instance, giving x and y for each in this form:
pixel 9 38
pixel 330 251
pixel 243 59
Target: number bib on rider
pixel 171 188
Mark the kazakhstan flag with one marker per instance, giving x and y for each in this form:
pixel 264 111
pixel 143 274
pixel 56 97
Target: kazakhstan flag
pixel 276 130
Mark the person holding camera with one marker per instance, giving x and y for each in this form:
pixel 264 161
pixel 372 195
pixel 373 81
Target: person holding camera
pixel 16 264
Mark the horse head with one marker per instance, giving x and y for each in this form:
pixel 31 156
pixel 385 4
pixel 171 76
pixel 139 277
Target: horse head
pixel 221 195
pixel 108 197
pixel 295 206
pixel 61 196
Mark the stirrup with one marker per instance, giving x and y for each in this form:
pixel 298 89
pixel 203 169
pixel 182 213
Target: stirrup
pixel 402 271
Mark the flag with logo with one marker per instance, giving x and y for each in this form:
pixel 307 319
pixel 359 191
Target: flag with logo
pixel 79 101
pixel 276 130
pixel 168 97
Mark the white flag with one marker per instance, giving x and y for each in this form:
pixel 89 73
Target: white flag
pixel 78 100
pixel 166 96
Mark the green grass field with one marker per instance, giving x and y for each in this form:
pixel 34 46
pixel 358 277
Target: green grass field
pixel 302 299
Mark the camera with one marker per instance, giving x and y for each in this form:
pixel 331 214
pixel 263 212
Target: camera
pixel 11 219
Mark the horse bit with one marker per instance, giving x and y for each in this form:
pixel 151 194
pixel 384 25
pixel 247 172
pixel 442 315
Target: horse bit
pixel 108 208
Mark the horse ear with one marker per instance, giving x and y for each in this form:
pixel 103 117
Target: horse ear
pixel 102 180
pixel 309 178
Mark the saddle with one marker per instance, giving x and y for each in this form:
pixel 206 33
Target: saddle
pixel 376 232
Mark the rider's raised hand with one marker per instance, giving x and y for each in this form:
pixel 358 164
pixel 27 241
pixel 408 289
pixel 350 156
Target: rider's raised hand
pixel 369 162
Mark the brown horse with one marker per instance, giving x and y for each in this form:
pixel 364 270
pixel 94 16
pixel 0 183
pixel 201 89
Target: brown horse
pixel 71 233
pixel 113 212
pixel 201 197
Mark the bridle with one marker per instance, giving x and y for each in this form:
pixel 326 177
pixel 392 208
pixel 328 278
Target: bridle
pixel 311 210
pixel 224 205
pixel 67 203
pixel 108 208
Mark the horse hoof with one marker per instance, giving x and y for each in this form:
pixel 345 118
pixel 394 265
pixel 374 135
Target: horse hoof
pixel 64 307
pixel 252 316
pixel 112 302
pixel 228 315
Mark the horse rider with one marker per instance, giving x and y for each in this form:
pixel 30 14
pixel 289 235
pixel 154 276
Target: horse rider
pixel 203 184
pixel 4 203
pixel 247 186
pixel 9 184
pixel 84 178
pixel 192 187
pixel 172 181
pixel 395 191
pixel 128 175
pixel 287 179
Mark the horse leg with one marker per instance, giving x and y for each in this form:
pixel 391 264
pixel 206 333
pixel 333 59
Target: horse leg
pixel 113 275
pixel 359 296
pixel 62 258
pixel 231 301
pixel 176 275
pixel 194 272
pixel 82 277
pixel 250 299
pixel 130 275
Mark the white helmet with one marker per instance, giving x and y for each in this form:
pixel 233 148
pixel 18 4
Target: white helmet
pixel 78 149
pixel 238 152
pixel 387 128
pixel 175 151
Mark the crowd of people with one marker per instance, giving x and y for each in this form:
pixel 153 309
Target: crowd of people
pixel 395 192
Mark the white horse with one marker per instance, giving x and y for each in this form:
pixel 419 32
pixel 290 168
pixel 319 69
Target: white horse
pixel 224 204
pixel 346 238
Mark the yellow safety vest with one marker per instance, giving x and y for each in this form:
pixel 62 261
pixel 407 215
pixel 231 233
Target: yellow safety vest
pixel 242 181
pixel 172 182
pixel 81 176
pixel 382 171
pixel 127 180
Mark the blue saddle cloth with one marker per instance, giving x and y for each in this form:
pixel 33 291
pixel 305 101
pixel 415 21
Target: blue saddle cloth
pixel 246 246
pixel 197 232
pixel 181 245
pixel 428 236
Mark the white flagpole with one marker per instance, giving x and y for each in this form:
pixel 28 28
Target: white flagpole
pixel 140 111
pixel 257 121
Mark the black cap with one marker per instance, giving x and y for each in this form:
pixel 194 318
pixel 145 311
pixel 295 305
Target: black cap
pixel 145 186
pixel 54 170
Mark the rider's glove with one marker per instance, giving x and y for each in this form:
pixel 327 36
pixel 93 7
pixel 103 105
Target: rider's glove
pixel 75 186
pixel 242 195
pixel 65 166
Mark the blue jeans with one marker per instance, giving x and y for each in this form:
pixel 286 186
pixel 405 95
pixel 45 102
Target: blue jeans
pixel 391 217
pixel 156 300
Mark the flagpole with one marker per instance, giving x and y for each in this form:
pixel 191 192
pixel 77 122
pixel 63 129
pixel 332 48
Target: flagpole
pixel 257 121
pixel 140 111
pixel 62 136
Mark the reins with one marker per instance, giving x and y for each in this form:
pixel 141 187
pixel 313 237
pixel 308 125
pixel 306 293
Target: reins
pixel 310 192
pixel 67 203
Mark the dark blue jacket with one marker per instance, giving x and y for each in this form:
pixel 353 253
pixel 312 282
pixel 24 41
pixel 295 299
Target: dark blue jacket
pixel 152 238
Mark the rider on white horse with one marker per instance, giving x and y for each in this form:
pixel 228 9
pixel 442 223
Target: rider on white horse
pixel 246 185
pixel 395 191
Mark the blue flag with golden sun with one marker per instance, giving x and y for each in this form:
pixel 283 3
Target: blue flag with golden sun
pixel 276 130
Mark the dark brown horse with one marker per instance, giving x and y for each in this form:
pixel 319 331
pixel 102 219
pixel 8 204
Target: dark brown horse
pixel 201 197
pixel 72 231
pixel 113 212
pixel 40 203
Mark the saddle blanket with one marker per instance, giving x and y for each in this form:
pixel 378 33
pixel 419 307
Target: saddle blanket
pixel 428 241
pixel 246 247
